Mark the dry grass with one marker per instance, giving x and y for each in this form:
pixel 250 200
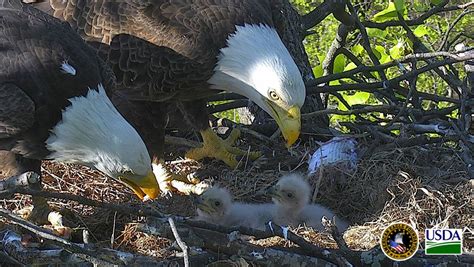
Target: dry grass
pixel 425 186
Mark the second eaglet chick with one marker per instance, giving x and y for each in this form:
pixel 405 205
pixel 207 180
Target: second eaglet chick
pixel 291 196
pixel 216 206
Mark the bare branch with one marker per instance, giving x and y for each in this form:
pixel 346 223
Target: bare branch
pixel 317 15
pixel 418 45
pixel 115 207
pixel 368 49
pixel 227 106
pixel 90 255
pixel 180 242
pixel 444 42
pixel 420 20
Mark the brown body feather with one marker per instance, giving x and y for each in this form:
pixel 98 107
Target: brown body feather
pixel 33 89
pixel 161 51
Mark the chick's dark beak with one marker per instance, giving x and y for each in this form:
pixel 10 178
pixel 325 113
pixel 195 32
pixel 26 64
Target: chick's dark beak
pixel 198 201
pixel 272 191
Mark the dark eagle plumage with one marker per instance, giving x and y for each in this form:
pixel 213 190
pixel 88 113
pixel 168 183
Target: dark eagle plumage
pixel 165 51
pixel 169 47
pixel 54 103
pixel 33 88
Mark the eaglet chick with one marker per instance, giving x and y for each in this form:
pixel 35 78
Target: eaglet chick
pixel 291 196
pixel 216 206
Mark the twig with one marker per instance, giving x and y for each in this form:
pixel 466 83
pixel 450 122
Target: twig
pixel 368 49
pixel 371 87
pixel 338 42
pixel 275 230
pixel 411 92
pixel 115 207
pixel 451 27
pixel 336 235
pixel 457 57
pixel 418 45
pixel 318 14
pixel 218 237
pixel 12 245
pixel 91 255
pixel 226 106
pixel 420 20
pixel 180 242
pixel 389 109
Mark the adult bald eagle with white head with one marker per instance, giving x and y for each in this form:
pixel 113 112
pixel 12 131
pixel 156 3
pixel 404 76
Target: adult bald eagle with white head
pixel 53 104
pixel 183 51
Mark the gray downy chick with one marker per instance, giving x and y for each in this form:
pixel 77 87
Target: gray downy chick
pixel 291 196
pixel 216 206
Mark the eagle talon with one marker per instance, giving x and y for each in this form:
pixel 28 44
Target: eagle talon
pixel 170 182
pixel 38 212
pixel 222 149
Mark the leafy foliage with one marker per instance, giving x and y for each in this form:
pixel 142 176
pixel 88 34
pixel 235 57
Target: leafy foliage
pixel 388 45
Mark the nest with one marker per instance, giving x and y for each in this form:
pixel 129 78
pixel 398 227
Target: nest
pixel 425 186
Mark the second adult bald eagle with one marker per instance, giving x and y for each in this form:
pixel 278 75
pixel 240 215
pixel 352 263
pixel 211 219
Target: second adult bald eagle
pixel 182 52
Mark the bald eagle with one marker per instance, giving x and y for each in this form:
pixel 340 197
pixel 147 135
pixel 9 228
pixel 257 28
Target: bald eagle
pixel 53 103
pixel 181 52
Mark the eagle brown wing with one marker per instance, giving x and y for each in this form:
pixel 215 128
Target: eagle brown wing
pixel 194 29
pixel 17 111
pixel 34 87
pixel 156 73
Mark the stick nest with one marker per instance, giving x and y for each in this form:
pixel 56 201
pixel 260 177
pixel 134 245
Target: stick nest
pixel 425 186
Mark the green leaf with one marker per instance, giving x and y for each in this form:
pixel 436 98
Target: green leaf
pixel 374 32
pixel 350 66
pixel 397 51
pixel 387 14
pixel 436 2
pixel 400 6
pixel 341 106
pixel 420 31
pixel 336 82
pixel 357 49
pixel 381 54
pixel 318 71
pixel 391 11
pixel 357 98
pixel 339 63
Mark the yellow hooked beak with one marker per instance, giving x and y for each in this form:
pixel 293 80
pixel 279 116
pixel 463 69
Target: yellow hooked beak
pixel 289 122
pixel 142 186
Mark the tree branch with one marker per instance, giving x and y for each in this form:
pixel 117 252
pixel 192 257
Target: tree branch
pixel 180 242
pixel 318 14
pixel 420 20
pixel 90 202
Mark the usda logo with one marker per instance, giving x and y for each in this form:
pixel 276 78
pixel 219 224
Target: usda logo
pixel 443 241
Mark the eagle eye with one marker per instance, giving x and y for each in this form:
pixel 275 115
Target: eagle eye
pixel 290 195
pixel 217 203
pixel 273 95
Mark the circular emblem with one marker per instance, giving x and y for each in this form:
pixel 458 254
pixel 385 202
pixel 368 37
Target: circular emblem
pixel 399 241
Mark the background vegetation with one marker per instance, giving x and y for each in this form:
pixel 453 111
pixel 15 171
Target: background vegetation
pixel 388 45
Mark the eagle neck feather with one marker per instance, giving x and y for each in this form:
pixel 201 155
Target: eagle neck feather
pixel 252 52
pixel 92 132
